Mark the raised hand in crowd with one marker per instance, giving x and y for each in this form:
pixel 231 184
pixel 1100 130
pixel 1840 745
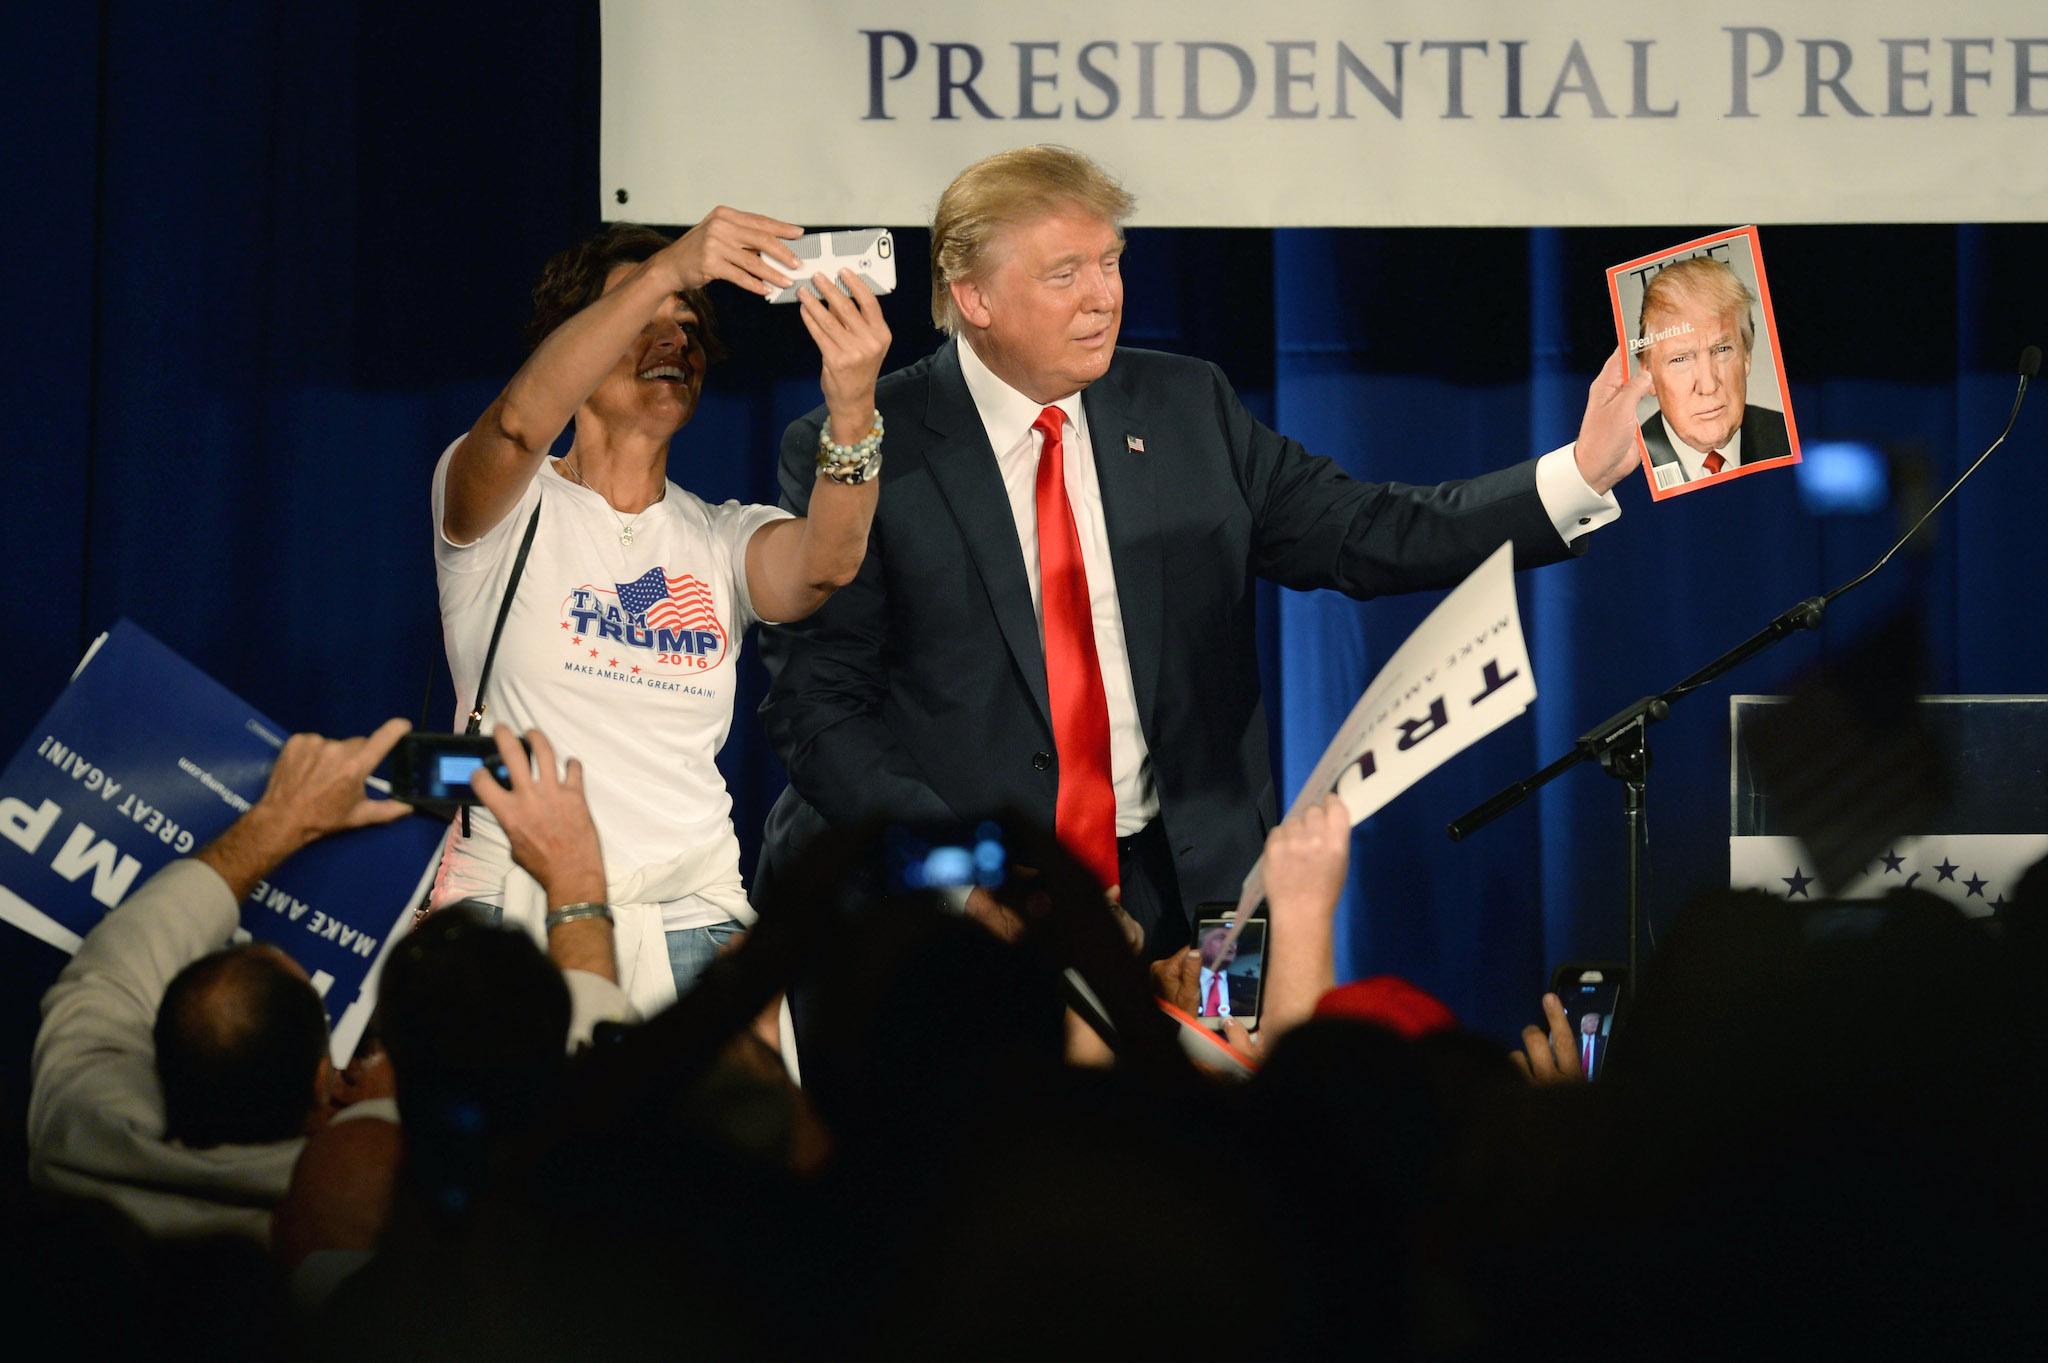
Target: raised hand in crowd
pixel 545 818
pixel 315 788
pixel 1178 979
pixel 553 839
pixel 1306 860
pixel 992 913
pixel 1550 1057
pixel 1007 921
pixel 1128 925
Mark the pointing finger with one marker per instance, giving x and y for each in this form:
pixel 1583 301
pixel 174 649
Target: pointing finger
pixel 381 741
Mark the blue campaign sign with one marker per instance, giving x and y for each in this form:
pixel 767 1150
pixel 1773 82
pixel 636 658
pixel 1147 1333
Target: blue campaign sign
pixel 143 759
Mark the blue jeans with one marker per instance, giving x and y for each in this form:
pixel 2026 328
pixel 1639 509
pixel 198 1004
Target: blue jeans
pixel 692 950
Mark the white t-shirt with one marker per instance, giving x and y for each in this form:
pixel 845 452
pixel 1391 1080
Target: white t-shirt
pixel 624 656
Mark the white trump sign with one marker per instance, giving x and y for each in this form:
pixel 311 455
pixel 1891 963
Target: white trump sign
pixel 1462 674
pixel 1399 113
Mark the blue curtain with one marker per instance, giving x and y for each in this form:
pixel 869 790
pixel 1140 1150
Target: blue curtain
pixel 264 265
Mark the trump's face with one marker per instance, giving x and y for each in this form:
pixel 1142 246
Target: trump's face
pixel 1589 1024
pixel 1700 373
pixel 1215 954
pixel 1045 315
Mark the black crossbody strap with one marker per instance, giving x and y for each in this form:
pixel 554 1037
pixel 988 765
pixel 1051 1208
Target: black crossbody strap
pixel 476 708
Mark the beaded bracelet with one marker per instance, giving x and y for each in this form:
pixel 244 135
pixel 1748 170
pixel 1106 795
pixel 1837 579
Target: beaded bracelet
pixel 833 453
pixel 852 473
pixel 855 463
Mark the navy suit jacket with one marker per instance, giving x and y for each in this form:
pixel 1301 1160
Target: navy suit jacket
pixel 918 692
pixel 1763 436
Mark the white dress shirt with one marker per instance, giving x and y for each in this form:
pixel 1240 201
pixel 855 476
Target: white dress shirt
pixel 1007 416
pixel 1694 462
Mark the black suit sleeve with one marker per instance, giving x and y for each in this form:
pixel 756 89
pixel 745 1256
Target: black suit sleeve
pixel 827 680
pixel 1313 525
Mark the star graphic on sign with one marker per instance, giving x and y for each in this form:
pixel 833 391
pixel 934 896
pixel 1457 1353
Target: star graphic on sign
pixel 1797 882
pixel 1998 903
pixel 636 669
pixel 1947 870
pixel 593 653
pixel 1976 887
pixel 565 624
pixel 577 640
pixel 1892 862
pixel 614 662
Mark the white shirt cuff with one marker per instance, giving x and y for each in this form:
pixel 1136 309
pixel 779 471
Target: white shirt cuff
pixel 1573 507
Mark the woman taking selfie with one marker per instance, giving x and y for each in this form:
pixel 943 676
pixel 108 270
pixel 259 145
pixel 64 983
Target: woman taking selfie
pixel 622 618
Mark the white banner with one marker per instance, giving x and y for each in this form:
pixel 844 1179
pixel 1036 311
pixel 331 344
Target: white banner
pixel 1330 112
pixel 1977 872
pixel 1462 674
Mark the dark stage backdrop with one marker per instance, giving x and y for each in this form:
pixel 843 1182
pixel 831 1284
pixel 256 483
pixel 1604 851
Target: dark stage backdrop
pixel 264 261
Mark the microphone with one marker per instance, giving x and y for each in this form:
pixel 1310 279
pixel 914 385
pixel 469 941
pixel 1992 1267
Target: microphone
pixel 2029 366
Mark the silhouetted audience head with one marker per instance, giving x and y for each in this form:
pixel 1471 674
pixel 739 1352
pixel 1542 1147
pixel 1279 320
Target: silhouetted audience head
pixel 475 1020
pixel 1818 1134
pixel 917 1012
pixel 241 1048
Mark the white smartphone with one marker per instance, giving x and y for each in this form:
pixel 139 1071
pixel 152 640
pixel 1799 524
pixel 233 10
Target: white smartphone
pixel 869 253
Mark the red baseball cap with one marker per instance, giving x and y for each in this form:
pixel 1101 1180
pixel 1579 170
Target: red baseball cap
pixel 1391 1002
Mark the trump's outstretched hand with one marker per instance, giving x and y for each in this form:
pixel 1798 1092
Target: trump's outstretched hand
pixel 1607 434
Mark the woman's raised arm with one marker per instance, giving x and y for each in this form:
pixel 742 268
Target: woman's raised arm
pixel 496 460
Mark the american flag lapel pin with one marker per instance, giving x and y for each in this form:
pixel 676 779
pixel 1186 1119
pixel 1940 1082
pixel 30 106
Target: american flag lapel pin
pixel 1134 444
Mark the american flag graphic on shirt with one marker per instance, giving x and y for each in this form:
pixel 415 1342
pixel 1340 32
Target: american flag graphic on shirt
pixel 679 602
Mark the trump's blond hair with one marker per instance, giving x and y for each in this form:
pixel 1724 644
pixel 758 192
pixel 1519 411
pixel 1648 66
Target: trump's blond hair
pixel 1706 281
pixel 1003 191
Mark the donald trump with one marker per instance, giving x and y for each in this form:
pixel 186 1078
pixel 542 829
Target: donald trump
pixel 1697 337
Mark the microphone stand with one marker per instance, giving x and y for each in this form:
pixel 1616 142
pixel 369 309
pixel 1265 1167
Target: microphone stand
pixel 1621 742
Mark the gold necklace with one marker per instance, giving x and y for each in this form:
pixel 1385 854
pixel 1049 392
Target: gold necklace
pixel 625 526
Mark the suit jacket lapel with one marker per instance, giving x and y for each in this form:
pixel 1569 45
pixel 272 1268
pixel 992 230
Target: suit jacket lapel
pixel 964 469
pixel 1124 469
pixel 1654 440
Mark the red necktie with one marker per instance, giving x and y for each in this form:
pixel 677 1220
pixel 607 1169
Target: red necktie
pixel 1215 1009
pixel 1714 463
pixel 1085 815
pixel 1588 1066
